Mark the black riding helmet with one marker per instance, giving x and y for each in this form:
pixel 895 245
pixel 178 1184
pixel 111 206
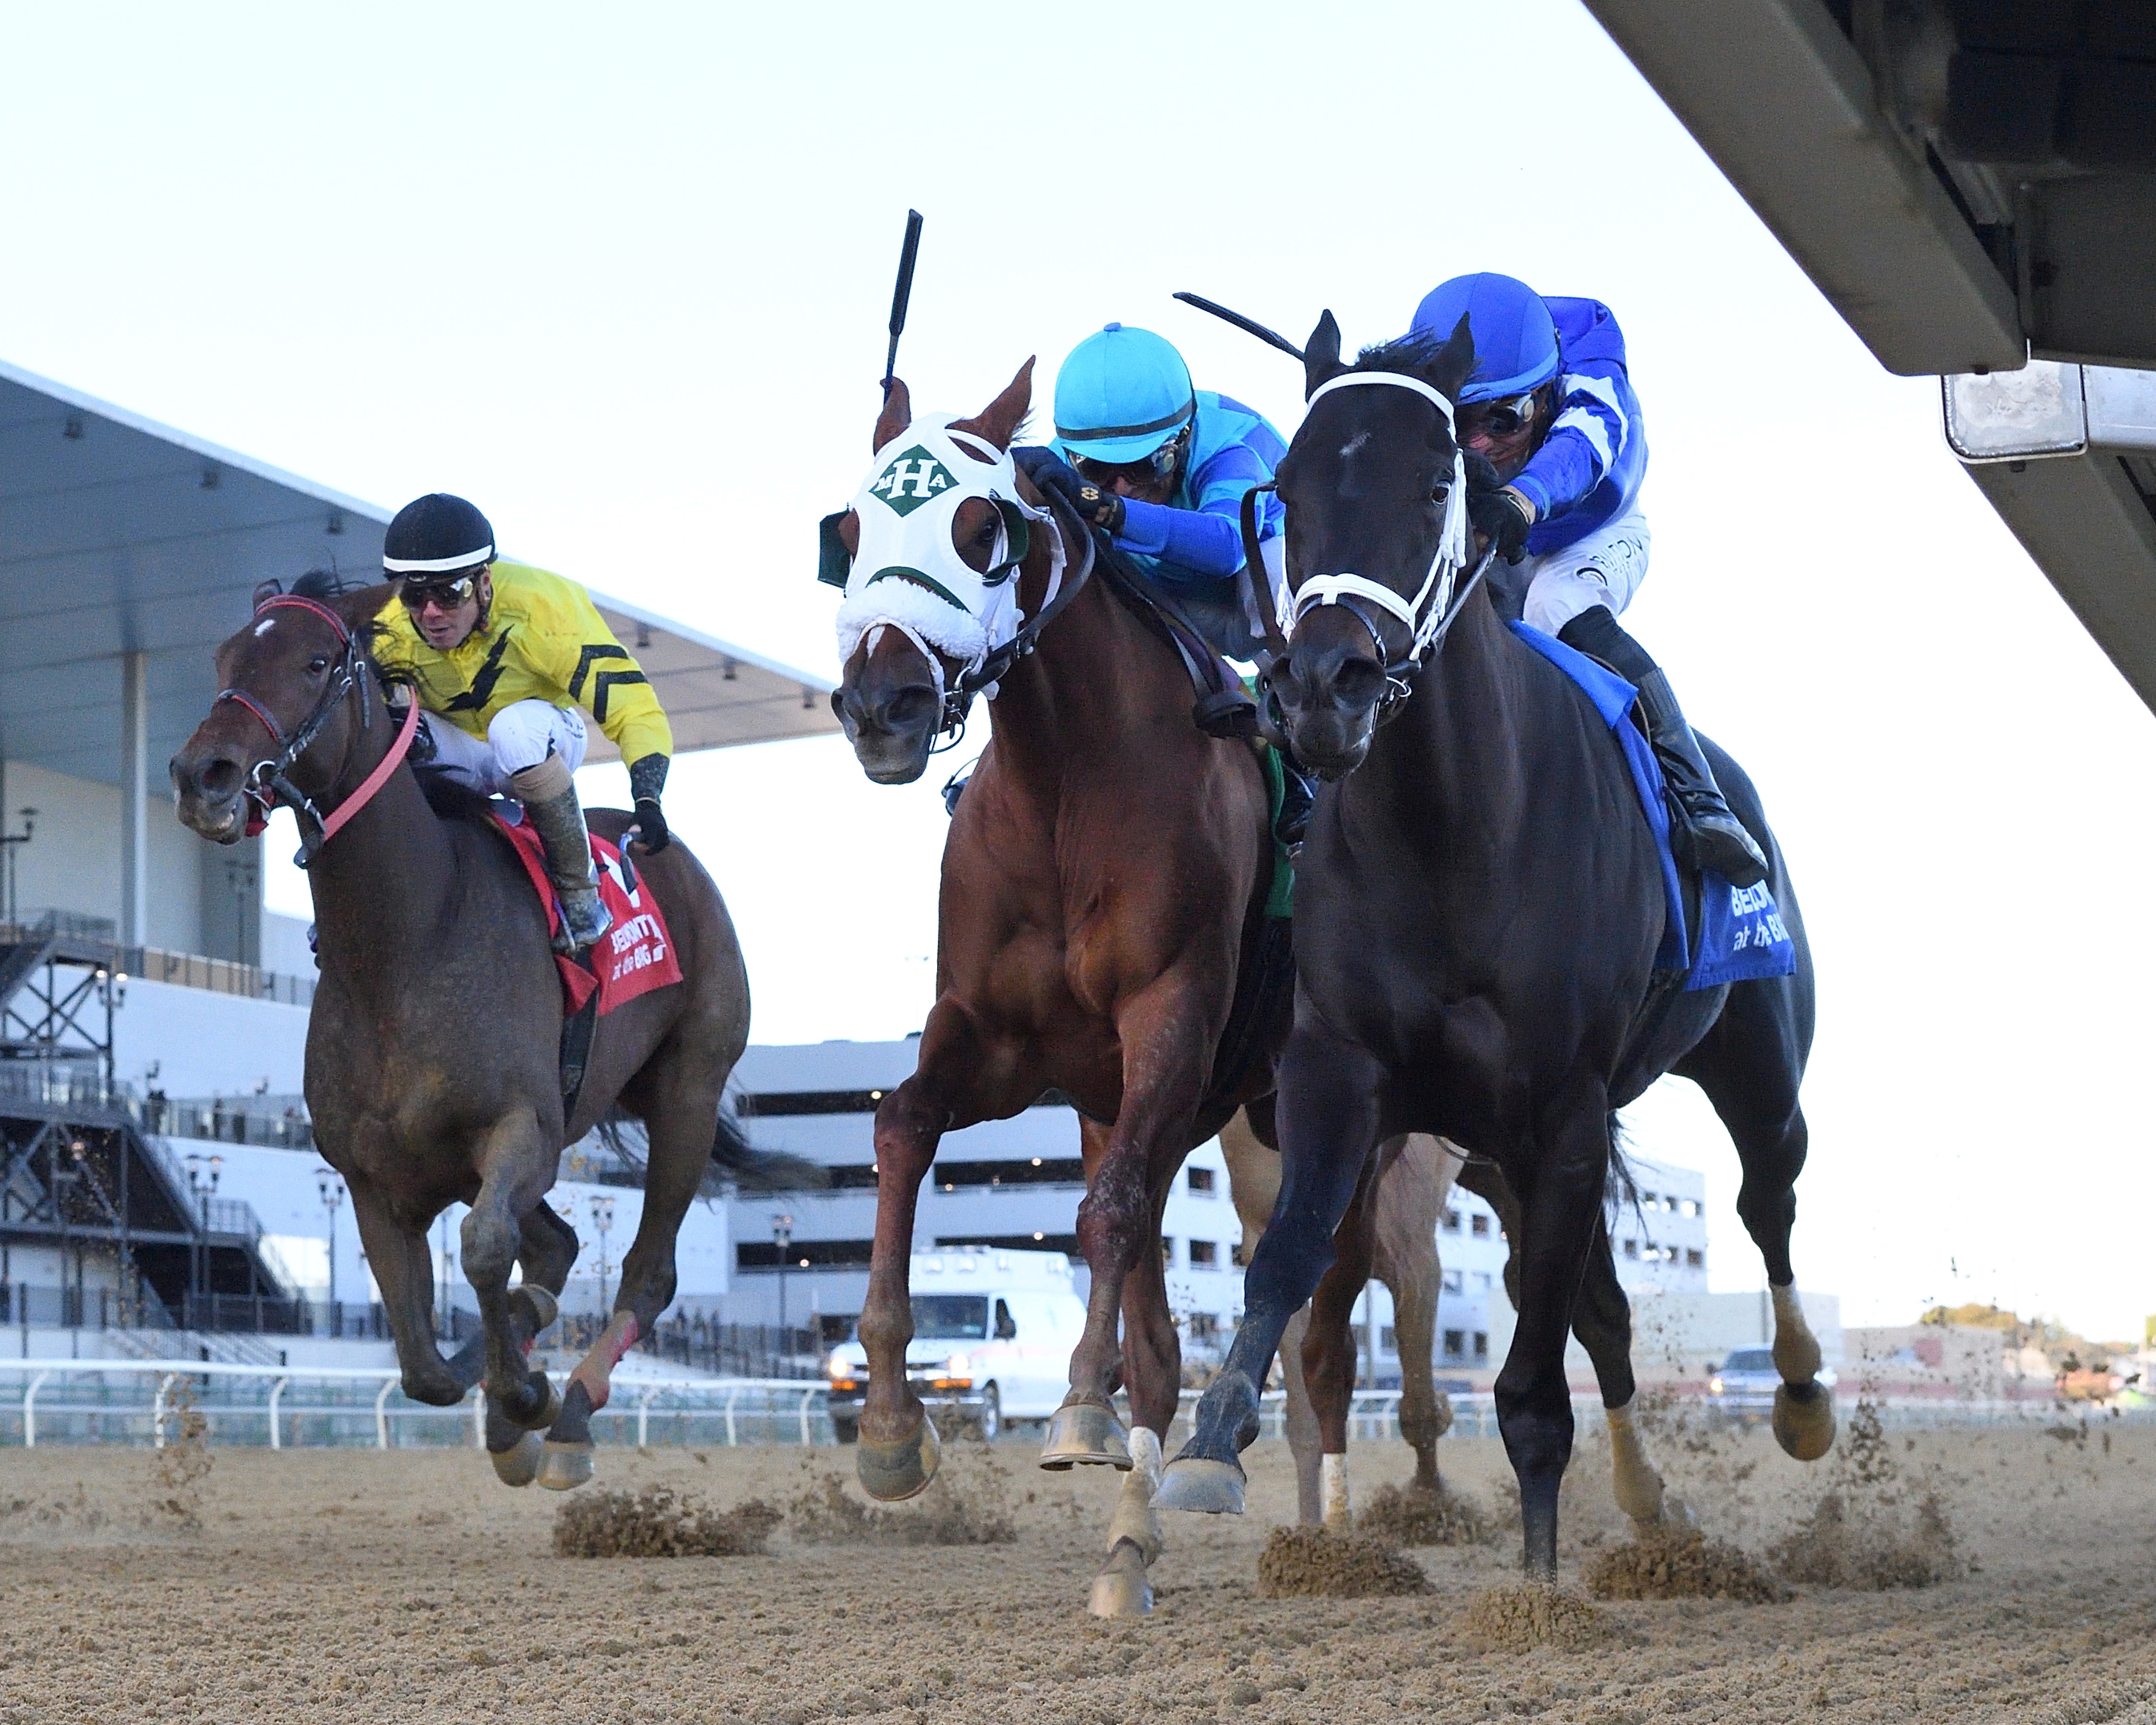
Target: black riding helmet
pixel 436 535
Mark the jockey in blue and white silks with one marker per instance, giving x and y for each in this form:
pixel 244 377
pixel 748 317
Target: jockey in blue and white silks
pixel 1550 406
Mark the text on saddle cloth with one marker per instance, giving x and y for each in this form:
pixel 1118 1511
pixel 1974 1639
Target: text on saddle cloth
pixel 1742 935
pixel 633 957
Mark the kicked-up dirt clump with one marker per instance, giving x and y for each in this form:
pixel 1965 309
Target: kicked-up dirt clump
pixel 1871 1545
pixel 657 1523
pixel 1675 1562
pixel 1315 1562
pixel 181 1463
pixel 1520 1616
pixel 1412 1515
pixel 962 1506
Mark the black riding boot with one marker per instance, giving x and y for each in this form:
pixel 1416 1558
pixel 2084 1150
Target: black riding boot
pixel 1717 839
pixel 1298 792
pixel 549 796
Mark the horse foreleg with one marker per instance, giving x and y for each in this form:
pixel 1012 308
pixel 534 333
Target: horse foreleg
pixel 1152 1359
pixel 1562 1211
pixel 404 1269
pixel 898 1450
pixel 1329 1352
pixel 1328 1122
pixel 547 1252
pixel 516 1169
pixel 1254 1181
pixel 1410 1200
pixel 1602 1319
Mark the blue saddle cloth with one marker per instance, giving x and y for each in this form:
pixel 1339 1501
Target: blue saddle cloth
pixel 1742 935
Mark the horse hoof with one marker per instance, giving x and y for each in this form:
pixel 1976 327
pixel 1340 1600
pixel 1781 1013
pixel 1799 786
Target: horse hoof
pixel 535 1407
pixel 1087 1434
pixel 891 1473
pixel 1803 1419
pixel 519 1464
pixel 541 1308
pixel 565 1466
pixel 1201 1487
pixel 1122 1590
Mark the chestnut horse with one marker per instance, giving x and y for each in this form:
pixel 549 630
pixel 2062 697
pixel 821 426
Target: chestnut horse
pixel 1104 885
pixel 434 1049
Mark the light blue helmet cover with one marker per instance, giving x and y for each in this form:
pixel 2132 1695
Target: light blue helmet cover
pixel 1121 395
pixel 1516 347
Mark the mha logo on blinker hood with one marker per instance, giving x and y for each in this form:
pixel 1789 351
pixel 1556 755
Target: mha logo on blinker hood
pixel 912 479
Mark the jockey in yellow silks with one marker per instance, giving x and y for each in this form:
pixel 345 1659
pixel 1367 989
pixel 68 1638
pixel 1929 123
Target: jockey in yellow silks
pixel 508 654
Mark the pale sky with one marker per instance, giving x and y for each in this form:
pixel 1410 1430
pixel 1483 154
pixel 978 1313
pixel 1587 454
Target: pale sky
pixel 620 277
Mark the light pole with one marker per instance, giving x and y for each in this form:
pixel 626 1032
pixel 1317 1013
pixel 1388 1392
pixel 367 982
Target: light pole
pixel 782 1236
pixel 332 1191
pixel 603 1220
pixel 202 1173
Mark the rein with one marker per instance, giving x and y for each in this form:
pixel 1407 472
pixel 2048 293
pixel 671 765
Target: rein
pixel 268 782
pixel 998 663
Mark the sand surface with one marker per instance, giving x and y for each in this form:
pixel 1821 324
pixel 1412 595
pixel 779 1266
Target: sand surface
pixel 358 1585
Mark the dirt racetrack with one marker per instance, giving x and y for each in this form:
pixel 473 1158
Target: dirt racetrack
pixel 355 1585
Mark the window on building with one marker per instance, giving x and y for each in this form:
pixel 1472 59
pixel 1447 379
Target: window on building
pixel 1482 1344
pixel 1694 1259
pixel 1237 1256
pixel 1452 1221
pixel 1482 1280
pixel 1204 1254
pixel 1201 1183
pixel 1455 1344
pixel 1454 1281
pixel 1480 1227
pixel 1388 1343
pixel 1649 1199
pixel 1168 1251
pixel 1631 1248
pixel 1204 1326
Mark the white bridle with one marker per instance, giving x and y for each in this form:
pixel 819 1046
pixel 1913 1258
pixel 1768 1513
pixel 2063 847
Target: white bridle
pixel 1423 615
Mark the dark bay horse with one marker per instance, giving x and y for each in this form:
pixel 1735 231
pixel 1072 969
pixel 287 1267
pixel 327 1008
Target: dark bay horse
pixel 1104 884
pixel 1476 924
pixel 433 1052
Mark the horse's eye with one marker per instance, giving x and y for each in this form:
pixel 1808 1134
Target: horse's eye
pixel 316 665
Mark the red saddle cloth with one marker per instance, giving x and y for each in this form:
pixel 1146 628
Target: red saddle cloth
pixel 633 957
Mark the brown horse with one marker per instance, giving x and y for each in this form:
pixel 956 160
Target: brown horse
pixel 432 1055
pixel 1390 1233
pixel 1104 884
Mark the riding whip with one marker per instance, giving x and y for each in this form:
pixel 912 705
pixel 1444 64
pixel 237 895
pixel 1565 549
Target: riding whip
pixel 902 293
pixel 1249 326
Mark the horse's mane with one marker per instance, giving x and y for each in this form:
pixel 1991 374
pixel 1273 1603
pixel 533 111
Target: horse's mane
pixel 1406 353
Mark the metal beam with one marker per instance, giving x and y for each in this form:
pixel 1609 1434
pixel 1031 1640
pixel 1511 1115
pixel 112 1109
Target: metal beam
pixel 1782 102
pixel 134 799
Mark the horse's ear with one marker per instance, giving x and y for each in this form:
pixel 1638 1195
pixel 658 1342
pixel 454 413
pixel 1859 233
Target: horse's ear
pixel 361 605
pixel 896 415
pixel 1449 370
pixel 999 422
pixel 1321 355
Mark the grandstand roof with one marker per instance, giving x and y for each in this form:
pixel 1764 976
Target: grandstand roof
pixel 120 535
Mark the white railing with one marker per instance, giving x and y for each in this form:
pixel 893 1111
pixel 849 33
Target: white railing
pixel 770 1407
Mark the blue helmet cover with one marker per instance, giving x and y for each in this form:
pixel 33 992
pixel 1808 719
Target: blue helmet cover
pixel 1121 395
pixel 1516 346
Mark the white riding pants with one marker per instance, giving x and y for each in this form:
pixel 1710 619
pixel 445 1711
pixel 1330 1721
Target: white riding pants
pixel 1604 568
pixel 522 735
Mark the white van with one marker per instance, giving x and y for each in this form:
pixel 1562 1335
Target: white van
pixel 993 1335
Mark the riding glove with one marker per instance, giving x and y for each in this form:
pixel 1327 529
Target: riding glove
pixel 1099 508
pixel 647 778
pixel 1503 518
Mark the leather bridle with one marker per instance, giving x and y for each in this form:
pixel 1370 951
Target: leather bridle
pixel 268 782
pixel 1428 617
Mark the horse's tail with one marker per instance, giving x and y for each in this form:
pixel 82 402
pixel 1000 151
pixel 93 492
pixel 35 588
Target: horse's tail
pixel 737 1163
pixel 1620 1189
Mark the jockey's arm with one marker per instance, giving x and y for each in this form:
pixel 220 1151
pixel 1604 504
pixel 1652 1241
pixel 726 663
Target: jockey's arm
pixel 1206 540
pixel 1586 438
pixel 599 675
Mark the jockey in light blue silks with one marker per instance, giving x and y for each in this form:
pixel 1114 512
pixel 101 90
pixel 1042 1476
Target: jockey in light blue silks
pixel 1161 467
pixel 1550 406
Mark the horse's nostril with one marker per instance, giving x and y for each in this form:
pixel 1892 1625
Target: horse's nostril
pixel 218 779
pixel 913 705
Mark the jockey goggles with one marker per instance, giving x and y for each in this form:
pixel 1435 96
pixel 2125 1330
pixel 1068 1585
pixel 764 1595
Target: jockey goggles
pixel 1498 418
pixel 448 593
pixel 1161 463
